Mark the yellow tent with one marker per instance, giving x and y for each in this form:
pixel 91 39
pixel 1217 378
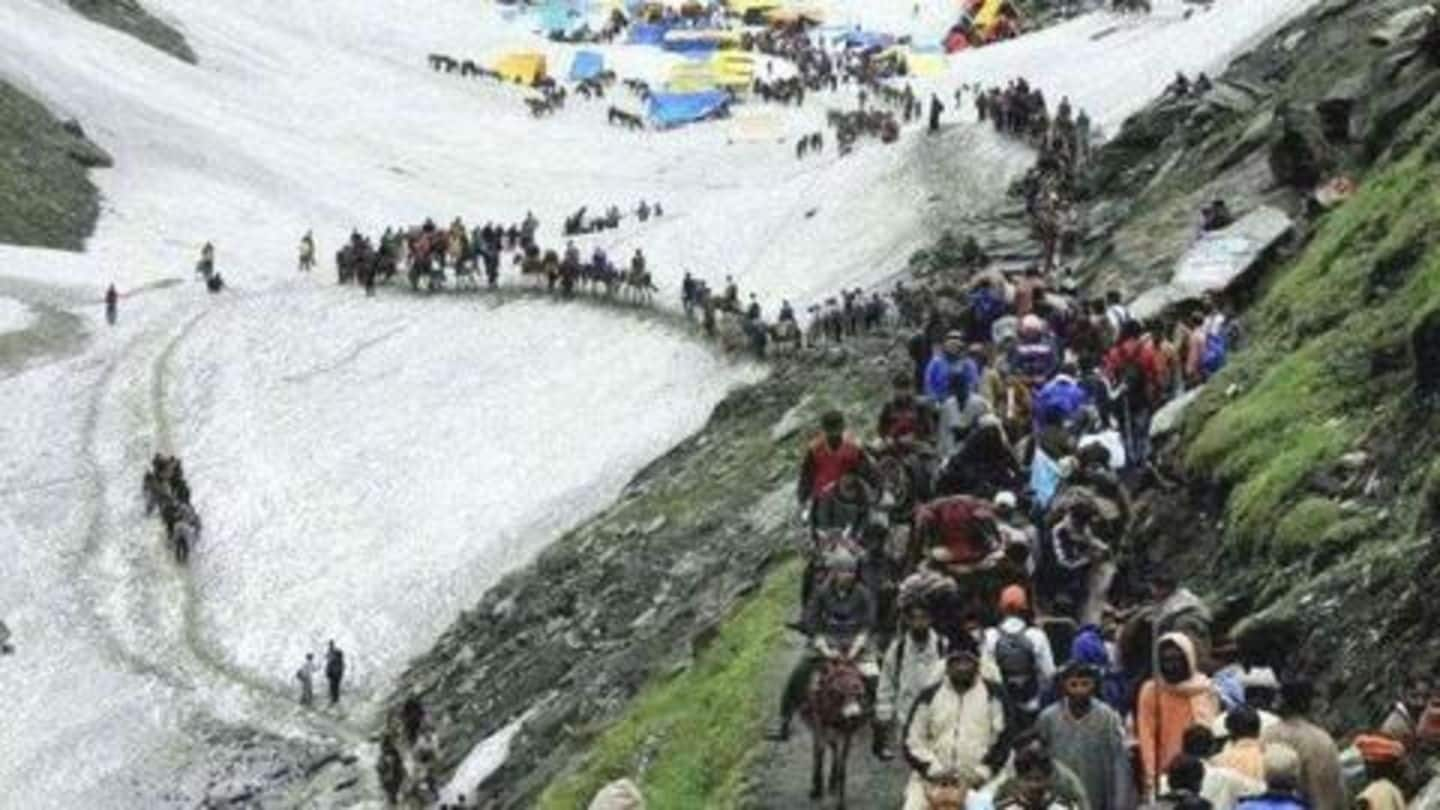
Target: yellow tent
pixel 925 64
pixel 731 69
pixel 690 77
pixel 522 67
pixel 988 15
pixel 744 7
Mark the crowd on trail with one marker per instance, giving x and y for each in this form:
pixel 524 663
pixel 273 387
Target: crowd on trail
pixel 1063 143
pixel 167 493
pixel 973 592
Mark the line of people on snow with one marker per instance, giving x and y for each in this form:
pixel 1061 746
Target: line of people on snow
pixel 165 491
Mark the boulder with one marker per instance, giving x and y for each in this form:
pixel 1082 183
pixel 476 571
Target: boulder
pixel 1217 260
pixel 1338 106
pixel 619 795
pixel 1298 157
pixel 1401 24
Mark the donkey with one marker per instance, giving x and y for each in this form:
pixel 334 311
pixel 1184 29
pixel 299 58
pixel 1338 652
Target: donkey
pixel 835 708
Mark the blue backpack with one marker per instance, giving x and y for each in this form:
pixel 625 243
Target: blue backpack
pixel 1217 346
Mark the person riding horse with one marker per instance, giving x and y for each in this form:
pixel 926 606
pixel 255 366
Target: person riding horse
pixel 839 620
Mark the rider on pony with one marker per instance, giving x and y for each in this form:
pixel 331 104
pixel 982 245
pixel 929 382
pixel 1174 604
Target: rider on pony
pixel 839 620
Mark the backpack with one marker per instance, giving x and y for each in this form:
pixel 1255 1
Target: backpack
pixel 1217 346
pixel 1015 656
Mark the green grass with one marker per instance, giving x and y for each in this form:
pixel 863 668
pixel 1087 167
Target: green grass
pixel 46 197
pixel 131 18
pixel 694 735
pixel 1310 388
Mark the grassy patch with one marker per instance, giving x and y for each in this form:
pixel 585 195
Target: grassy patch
pixel 1310 386
pixel 46 199
pixel 131 18
pixel 687 741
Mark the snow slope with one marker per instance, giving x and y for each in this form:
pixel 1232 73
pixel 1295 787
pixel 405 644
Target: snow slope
pixel 367 468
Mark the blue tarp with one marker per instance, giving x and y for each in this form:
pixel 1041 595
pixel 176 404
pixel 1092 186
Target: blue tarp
pixel 671 109
pixel 587 65
pixel 690 45
pixel 648 33
pixel 866 40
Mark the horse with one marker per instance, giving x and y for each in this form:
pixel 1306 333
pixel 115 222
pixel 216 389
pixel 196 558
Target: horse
pixel 638 286
pixel 835 708
pixel 787 333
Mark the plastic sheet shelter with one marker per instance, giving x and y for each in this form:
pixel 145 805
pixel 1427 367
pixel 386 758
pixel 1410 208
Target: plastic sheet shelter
pixel 733 70
pixel 691 77
pixel 675 109
pixel 648 33
pixel 749 9
pixel 699 41
pixel 586 65
pixel 523 67
pixel 925 64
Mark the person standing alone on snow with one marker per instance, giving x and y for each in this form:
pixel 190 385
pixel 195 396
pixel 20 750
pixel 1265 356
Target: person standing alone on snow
pixel 334 670
pixel 306 676
pixel 112 305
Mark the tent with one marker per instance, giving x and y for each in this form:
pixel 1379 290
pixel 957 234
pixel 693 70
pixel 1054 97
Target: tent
pixel 586 65
pixel 521 66
pixel 690 77
pixel 752 8
pixel 925 64
pixel 735 70
pixel 866 40
pixel 648 33
pixel 673 109
pixel 699 41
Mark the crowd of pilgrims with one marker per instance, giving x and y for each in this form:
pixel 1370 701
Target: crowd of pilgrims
pixel 974 561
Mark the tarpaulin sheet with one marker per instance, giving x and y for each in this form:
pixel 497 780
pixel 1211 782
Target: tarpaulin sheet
pixel 586 65
pixel 672 109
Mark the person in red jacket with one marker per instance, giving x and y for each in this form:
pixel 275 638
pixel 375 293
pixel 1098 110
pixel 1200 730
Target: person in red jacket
pixel 829 458
pixel 1134 371
pixel 959 535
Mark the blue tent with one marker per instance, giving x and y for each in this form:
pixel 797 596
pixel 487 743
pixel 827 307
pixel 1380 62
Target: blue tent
pixel 866 40
pixel 587 65
pixel 673 109
pixel 648 33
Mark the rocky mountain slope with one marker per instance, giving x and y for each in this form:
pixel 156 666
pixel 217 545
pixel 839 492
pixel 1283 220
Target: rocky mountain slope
pixel 1309 498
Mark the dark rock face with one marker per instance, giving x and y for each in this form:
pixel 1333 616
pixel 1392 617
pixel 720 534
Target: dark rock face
pixel 46 198
pixel 1297 153
pixel 132 18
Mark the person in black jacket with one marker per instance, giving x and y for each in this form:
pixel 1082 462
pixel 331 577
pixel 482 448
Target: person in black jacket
pixel 334 670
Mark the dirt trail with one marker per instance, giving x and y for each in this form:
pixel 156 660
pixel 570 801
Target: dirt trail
pixel 781 780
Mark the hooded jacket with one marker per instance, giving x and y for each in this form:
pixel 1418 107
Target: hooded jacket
pixel 1164 710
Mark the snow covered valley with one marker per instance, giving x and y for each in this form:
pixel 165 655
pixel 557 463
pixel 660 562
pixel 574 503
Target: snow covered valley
pixel 367 468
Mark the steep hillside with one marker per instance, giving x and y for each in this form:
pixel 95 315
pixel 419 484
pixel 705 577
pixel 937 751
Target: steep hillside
pixel 1311 494
pixel 132 18
pixel 46 197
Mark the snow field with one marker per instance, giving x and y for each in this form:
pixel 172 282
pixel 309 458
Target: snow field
pixel 366 468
